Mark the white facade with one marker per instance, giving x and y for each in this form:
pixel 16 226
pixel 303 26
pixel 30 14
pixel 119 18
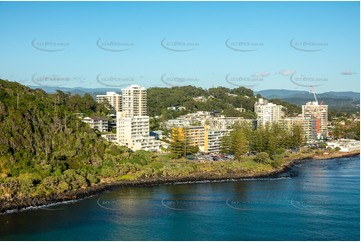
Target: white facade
pixel 206 130
pixel 177 123
pixel 202 118
pixel 134 101
pixel 98 123
pixel 320 113
pixel 133 132
pixel 176 108
pixel 133 122
pixel 345 145
pixel 110 137
pixel 309 128
pixel 267 112
pixel 113 98
pixel 213 140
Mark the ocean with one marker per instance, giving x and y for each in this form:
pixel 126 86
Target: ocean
pixel 315 200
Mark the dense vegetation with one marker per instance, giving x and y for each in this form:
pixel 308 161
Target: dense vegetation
pixel 45 149
pixel 221 99
pixel 266 142
pixel 346 128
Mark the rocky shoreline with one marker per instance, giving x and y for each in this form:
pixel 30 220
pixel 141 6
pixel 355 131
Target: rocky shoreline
pixel 19 204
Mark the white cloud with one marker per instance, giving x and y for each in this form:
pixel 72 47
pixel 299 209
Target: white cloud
pixel 261 74
pixel 286 72
pixel 347 73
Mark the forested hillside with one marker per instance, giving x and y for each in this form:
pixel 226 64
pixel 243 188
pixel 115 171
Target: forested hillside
pixel 222 99
pixel 44 147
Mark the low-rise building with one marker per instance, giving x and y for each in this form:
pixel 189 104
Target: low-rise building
pixel 194 135
pixel 242 110
pixel 176 108
pixel 345 145
pixel 268 112
pixel 200 99
pixel 177 123
pixel 205 129
pixel 157 134
pixel 110 137
pixel 99 123
pixel 213 139
pixel 202 118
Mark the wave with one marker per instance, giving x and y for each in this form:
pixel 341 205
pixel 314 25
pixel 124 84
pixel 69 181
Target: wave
pixel 43 207
pixel 228 180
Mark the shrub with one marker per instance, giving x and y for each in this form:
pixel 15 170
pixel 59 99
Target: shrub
pixel 280 151
pixel 262 157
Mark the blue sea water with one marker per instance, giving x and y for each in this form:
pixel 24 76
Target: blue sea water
pixel 322 202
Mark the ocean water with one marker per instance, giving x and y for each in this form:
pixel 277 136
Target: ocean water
pixel 321 202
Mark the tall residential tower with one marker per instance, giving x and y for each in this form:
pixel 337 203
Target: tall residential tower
pixel 267 112
pixel 319 112
pixel 134 101
pixel 133 122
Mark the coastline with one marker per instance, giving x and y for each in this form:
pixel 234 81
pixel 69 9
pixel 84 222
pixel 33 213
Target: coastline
pixel 21 204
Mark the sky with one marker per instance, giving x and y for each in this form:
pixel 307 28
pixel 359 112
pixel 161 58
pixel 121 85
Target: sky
pixel 259 45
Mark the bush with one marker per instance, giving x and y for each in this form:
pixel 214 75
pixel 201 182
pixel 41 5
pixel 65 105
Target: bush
pixel 278 162
pixel 262 157
pixel 92 179
pixel 280 151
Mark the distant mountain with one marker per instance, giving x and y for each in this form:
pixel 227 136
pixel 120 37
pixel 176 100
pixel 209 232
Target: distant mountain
pixel 280 93
pixel 337 101
pixel 283 93
pixel 354 95
pixel 77 90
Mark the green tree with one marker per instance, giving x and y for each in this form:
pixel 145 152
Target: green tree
pixel 177 144
pixel 239 143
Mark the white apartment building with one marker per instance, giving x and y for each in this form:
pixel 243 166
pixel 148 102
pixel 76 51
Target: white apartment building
pixel 204 129
pixel 134 101
pixel 308 125
pixel 213 139
pixel 267 112
pixel 110 137
pixel 206 118
pixel 133 122
pixel 223 122
pixel 113 98
pixel 309 128
pixel 177 123
pixel 133 132
pixel 320 113
pixel 98 123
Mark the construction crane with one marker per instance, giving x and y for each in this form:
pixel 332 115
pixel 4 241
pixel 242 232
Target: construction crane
pixel 314 94
pixel 317 112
